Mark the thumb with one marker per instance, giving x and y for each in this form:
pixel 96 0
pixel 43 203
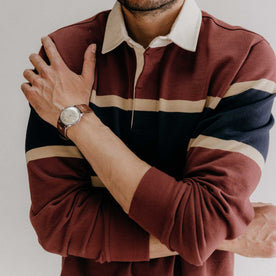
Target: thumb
pixel 89 64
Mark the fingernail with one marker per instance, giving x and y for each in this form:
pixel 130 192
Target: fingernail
pixel 93 48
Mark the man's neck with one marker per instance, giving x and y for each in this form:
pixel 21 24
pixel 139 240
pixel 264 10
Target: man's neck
pixel 143 27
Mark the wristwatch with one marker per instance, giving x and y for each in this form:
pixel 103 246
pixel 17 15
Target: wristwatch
pixel 70 116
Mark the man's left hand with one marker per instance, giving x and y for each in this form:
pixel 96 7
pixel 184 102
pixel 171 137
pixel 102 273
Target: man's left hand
pixel 259 239
pixel 56 86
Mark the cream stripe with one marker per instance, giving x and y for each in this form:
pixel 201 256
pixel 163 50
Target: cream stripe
pixel 153 105
pixel 53 151
pixel 111 100
pixel 60 151
pixel 183 106
pixel 228 145
pixel 262 84
pixel 212 102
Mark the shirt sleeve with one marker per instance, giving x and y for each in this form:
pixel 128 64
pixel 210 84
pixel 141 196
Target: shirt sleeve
pixel 69 214
pixel 223 166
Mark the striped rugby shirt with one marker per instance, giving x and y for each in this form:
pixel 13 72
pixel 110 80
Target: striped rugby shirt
pixel 196 106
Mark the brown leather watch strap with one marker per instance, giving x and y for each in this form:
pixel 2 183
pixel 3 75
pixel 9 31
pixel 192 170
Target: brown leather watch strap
pixel 62 128
pixel 83 108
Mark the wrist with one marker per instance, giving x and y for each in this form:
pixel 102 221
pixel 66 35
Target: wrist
pixel 227 245
pixel 159 250
pixel 88 120
pixel 71 116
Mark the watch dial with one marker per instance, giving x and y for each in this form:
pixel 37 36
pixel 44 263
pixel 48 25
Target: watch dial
pixel 70 115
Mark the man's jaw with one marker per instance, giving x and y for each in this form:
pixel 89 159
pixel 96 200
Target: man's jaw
pixel 155 7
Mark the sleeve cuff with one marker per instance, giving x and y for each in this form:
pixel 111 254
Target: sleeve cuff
pixel 155 202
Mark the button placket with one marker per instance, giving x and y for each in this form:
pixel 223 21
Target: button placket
pixel 139 53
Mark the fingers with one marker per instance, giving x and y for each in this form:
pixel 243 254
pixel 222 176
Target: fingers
pixel 39 64
pixel 27 89
pixel 260 204
pixel 89 64
pixel 32 77
pixel 54 57
pixel 51 51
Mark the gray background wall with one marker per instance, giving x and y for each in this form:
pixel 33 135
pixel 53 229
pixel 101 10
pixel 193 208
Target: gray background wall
pixel 22 23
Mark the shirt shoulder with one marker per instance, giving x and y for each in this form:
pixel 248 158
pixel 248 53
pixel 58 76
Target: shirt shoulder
pixel 222 30
pixel 72 40
pixel 232 54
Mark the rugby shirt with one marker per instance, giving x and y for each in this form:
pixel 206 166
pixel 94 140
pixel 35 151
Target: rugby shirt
pixel 198 110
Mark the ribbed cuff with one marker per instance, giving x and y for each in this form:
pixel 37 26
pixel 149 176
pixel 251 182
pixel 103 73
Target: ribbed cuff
pixel 155 202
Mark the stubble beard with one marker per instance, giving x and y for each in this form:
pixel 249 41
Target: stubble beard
pixel 146 6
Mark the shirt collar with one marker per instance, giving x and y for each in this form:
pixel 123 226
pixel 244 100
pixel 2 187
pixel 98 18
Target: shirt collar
pixel 184 32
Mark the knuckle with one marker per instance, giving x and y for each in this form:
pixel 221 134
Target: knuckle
pixel 48 46
pixel 44 72
pixel 58 65
pixel 26 90
pixel 38 82
pixel 32 97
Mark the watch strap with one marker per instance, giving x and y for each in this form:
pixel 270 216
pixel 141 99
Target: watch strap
pixel 61 128
pixel 83 108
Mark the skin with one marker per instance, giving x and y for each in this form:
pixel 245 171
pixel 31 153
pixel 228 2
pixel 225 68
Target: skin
pixel 146 5
pixel 144 26
pixel 55 86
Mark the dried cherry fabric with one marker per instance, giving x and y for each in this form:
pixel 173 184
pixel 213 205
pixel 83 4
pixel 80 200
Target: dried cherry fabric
pixel 200 118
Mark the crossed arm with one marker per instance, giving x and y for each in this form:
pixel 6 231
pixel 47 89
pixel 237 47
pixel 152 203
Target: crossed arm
pixel 120 178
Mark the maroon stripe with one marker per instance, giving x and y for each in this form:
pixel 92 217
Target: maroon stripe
pixel 233 172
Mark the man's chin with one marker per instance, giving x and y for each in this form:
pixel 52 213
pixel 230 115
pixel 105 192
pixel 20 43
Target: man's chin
pixel 146 6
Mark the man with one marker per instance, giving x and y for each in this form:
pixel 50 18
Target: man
pixel 173 142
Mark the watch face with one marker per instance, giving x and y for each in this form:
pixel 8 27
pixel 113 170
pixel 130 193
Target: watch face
pixel 70 116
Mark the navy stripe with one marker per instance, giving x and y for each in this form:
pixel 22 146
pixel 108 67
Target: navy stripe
pixel 161 138
pixel 40 133
pixel 245 98
pixel 245 118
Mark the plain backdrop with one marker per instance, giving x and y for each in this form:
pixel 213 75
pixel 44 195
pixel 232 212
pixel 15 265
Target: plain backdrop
pixel 22 24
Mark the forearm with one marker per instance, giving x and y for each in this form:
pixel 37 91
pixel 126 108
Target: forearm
pixel 118 168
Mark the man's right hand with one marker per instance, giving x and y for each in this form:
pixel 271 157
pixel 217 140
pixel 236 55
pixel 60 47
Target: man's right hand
pixel 259 239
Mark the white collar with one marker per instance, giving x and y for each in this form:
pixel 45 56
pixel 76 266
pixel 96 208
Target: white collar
pixel 184 32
